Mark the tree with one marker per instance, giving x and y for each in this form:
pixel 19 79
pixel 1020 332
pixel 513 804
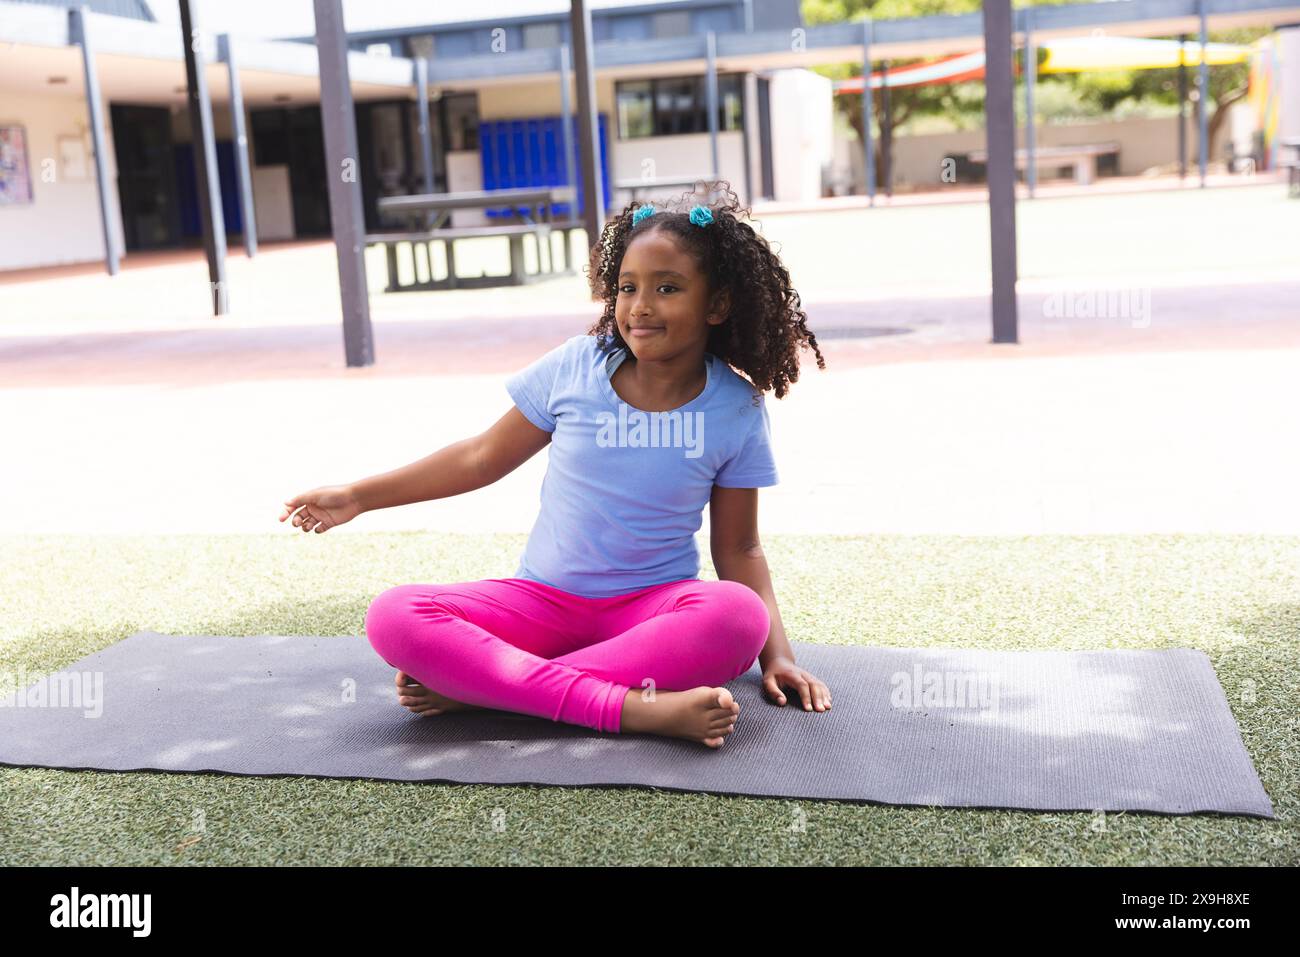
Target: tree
pixel 905 102
pixel 1229 82
pixel 1098 93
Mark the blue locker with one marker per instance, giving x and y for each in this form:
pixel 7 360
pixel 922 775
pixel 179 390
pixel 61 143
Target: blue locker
pixel 187 189
pixel 530 152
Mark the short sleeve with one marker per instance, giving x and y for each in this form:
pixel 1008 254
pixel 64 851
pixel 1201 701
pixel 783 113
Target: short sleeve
pixel 753 465
pixel 531 387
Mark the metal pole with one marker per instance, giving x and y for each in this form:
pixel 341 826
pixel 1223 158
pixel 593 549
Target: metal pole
pixel 886 130
pixel 1031 80
pixel 593 214
pixel 339 125
pixel 81 36
pixel 1182 108
pixel 869 157
pixel 1000 123
pixel 243 169
pixel 711 94
pixel 566 123
pixel 1202 116
pixel 211 218
pixel 426 131
pixel 746 85
pixel 749 16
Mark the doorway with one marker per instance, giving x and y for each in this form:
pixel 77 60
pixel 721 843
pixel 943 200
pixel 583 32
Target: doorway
pixel 293 138
pixel 391 159
pixel 146 176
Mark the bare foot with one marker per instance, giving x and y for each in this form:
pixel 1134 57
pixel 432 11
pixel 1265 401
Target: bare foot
pixel 701 714
pixel 423 700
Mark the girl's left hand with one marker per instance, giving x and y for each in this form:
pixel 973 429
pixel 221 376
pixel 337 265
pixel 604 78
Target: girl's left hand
pixel 782 672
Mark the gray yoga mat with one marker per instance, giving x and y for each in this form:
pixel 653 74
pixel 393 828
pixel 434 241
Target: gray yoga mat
pixel 1047 730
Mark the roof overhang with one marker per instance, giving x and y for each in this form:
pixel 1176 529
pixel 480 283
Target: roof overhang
pixel 144 63
pixel 834 43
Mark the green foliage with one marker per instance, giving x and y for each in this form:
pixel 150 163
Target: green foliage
pixel 1058 97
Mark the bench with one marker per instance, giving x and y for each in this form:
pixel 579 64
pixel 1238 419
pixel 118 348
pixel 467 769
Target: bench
pixel 1292 166
pixel 1082 157
pixel 423 240
pixel 427 214
pixel 565 228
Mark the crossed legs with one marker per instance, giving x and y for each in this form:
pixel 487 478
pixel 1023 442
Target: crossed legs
pixel 651 660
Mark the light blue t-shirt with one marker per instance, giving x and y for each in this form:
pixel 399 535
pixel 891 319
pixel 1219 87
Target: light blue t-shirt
pixel 625 490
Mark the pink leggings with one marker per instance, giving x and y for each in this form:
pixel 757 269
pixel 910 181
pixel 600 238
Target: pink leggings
pixel 514 644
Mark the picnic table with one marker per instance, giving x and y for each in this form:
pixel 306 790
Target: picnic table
pixel 426 215
pixel 1292 165
pixel 1082 157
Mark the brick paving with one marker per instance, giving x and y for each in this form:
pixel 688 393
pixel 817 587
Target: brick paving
pixel 129 409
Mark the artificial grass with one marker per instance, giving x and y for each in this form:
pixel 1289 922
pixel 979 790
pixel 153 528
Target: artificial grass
pixel 1234 597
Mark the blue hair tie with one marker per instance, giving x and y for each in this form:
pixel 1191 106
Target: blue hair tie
pixel 701 215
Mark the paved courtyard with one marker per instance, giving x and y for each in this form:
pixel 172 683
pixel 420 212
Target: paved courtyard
pixel 1155 388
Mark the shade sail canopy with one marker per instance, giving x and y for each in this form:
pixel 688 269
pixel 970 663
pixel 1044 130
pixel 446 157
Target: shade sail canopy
pixel 1072 55
pixel 951 69
pixel 1132 53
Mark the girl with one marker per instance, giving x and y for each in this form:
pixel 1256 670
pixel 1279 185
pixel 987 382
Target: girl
pixel 606 623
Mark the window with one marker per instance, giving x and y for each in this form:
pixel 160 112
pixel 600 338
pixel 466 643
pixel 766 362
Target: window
pixel 731 102
pixel 679 105
pixel 458 113
pixel 633 26
pixel 270 138
pixel 541 35
pixel 635 109
pixel 666 106
pixel 675 24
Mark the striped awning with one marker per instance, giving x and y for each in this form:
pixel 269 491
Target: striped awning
pixel 1071 55
pixel 951 69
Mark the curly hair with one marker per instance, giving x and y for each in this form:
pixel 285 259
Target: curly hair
pixel 765 326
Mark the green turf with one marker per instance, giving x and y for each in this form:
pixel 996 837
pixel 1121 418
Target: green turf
pixel 1234 597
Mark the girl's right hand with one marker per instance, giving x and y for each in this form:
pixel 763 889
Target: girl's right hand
pixel 322 508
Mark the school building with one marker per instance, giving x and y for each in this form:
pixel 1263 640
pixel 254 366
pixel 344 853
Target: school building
pixel 486 131
pixel 491 75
